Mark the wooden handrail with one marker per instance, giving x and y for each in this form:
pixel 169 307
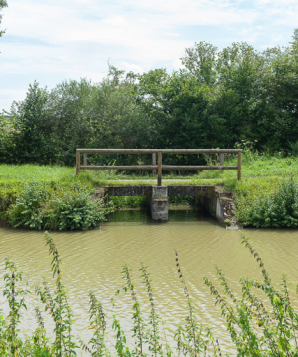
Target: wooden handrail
pixel 159 167
pixel 164 151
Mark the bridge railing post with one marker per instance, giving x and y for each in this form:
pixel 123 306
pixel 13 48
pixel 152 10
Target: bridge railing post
pixel 78 162
pixel 154 163
pixel 159 171
pixel 222 158
pixel 239 166
pixel 85 159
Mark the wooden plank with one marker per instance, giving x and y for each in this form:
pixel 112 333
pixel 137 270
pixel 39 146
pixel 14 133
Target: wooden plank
pixel 159 172
pixel 151 167
pixel 164 151
pixel 78 162
pixel 239 165
pixel 154 163
pixel 172 167
pixel 85 159
pixel 136 167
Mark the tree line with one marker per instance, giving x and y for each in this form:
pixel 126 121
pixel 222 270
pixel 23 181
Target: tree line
pixel 220 99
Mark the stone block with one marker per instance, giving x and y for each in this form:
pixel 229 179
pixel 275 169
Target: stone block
pixel 160 209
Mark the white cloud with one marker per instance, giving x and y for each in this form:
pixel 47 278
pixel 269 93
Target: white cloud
pixel 55 40
pixel 131 67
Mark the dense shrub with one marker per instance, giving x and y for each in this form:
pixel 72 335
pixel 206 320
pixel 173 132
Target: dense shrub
pixel 39 206
pixel 272 209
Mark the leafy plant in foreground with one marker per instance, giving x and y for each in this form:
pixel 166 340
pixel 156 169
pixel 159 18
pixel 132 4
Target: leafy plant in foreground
pixel 10 340
pixel 256 330
pixel 98 323
pixel 138 321
pixel 58 306
pixel 193 339
pixel 153 337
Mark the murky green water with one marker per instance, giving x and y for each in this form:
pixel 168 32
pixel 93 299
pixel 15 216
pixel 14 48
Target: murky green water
pixel 93 260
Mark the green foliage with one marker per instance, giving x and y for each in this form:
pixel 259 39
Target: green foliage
pixel 27 210
pixel 152 336
pixel 129 201
pixel 98 323
pixel 31 137
pixel 256 330
pixel 138 321
pixel 200 60
pixel 294 148
pixel 278 208
pixel 40 206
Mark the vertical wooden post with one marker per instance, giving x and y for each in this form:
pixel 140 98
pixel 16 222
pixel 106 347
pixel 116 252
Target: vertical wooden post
pixel 222 157
pixel 78 162
pixel 85 159
pixel 159 172
pixel 153 164
pixel 239 165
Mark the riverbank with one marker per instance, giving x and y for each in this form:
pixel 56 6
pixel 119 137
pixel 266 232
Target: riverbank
pixel 262 176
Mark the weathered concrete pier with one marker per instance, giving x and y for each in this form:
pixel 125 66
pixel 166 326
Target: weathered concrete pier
pixel 209 198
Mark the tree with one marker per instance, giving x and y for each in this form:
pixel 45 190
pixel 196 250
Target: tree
pixel 3 4
pixel 295 35
pixel 200 61
pixel 33 127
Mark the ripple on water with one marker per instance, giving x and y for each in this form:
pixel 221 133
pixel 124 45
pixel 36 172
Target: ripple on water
pixel 93 260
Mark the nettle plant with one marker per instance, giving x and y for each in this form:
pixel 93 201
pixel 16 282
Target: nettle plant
pixel 276 209
pixel 258 328
pixel 266 326
pixel 39 206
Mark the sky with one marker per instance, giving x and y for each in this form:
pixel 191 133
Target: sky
pixel 50 41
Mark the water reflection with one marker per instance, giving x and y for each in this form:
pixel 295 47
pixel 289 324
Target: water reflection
pixel 183 214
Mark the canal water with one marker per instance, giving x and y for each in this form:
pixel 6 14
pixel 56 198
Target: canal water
pixel 93 260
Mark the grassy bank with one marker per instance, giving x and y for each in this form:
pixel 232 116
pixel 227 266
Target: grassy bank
pixel 262 176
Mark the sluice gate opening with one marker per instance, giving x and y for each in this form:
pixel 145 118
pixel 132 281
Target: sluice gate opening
pixel 209 199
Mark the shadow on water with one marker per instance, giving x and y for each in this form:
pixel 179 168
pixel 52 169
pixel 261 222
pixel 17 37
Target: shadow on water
pixel 143 216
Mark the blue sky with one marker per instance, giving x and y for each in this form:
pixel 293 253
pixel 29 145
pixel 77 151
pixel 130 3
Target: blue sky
pixel 54 40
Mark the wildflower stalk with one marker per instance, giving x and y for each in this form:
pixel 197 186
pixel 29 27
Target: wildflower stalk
pixel 191 323
pixel 98 323
pixel 120 345
pixel 12 293
pixel 153 335
pixel 58 306
pixel 138 323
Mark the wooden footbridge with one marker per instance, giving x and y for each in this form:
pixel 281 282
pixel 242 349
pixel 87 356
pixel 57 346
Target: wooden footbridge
pixel 157 195
pixel 159 166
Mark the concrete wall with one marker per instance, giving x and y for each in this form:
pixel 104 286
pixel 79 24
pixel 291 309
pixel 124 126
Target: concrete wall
pixel 210 199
